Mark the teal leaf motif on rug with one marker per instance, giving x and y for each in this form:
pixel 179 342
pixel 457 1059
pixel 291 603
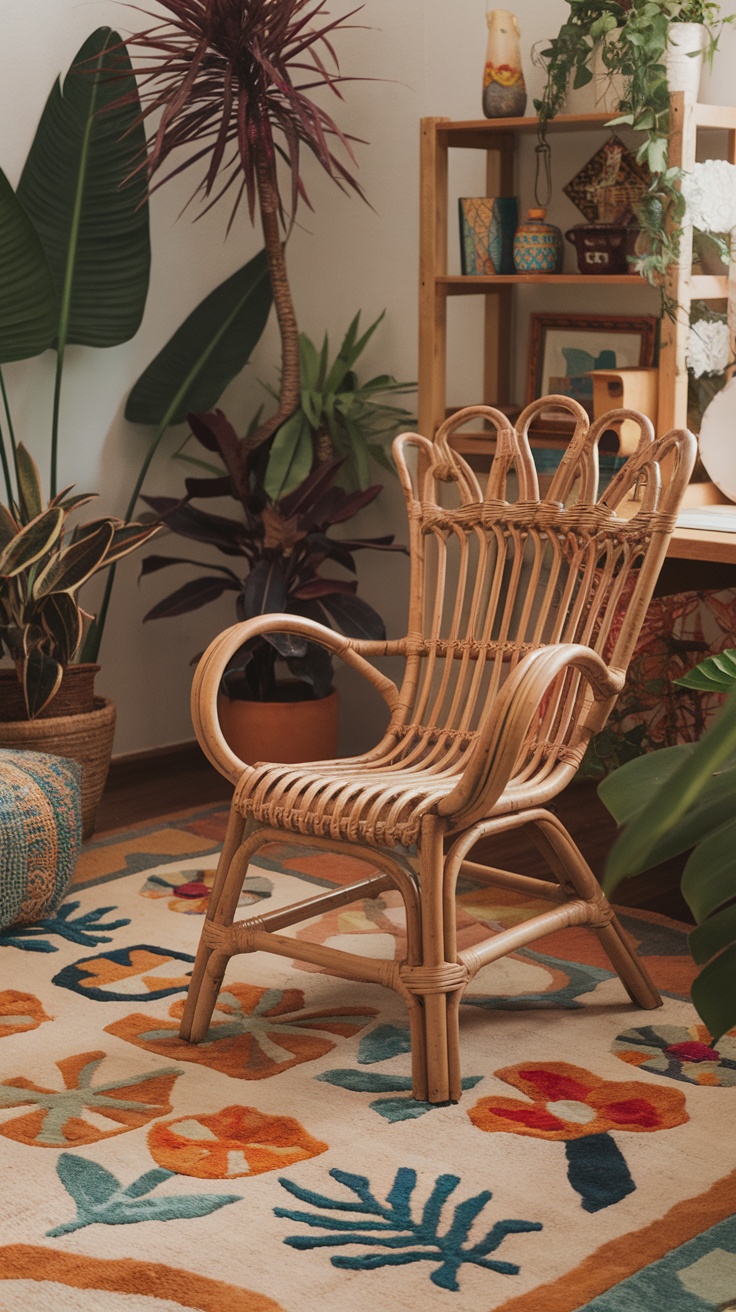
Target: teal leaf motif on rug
pixel 392 1109
pixel 391 1226
pixel 381 1044
pixel 101 1200
pixel 86 930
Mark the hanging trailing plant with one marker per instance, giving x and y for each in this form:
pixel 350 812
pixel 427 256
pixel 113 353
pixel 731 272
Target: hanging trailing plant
pixel 632 38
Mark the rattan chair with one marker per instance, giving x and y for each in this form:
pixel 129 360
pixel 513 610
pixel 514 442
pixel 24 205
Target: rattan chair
pixel 523 616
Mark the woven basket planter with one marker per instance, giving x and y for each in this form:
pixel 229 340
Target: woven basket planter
pixel 86 738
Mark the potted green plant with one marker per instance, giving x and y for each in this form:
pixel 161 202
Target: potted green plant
pixel 229 86
pixel 681 799
pixel 232 91
pixel 338 416
pixel 632 39
pixel 276 551
pixel 74 242
pixel 49 703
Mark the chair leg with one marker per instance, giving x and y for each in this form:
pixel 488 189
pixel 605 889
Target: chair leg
pixel 427 981
pixel 569 864
pixel 205 982
pixel 628 966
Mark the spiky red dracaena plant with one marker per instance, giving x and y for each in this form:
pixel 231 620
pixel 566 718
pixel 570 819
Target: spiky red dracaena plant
pixel 233 73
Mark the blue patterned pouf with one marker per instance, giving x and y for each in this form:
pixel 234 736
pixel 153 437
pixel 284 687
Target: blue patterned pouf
pixel 40 833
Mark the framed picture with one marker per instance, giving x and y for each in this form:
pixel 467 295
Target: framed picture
pixel 564 348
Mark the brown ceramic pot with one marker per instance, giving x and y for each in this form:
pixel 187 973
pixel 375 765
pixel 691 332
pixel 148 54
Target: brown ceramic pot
pixel 285 731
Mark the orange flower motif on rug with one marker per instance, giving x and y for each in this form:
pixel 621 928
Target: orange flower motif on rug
pixel 571 1104
pixel 72 1116
pixel 19 1012
pixel 255 1033
pixel 231 1143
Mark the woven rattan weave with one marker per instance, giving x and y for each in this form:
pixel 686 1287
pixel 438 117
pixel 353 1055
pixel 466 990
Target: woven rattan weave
pixel 523 616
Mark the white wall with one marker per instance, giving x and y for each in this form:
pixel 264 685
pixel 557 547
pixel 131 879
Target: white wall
pixel 428 58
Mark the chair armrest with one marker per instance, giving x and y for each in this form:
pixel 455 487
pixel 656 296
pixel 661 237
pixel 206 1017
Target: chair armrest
pixel 212 666
pixel 494 755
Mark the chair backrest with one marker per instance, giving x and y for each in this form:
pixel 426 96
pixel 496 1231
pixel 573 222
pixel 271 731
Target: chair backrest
pixel 498 571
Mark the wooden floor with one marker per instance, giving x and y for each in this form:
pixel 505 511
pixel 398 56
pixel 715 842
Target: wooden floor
pixel 155 784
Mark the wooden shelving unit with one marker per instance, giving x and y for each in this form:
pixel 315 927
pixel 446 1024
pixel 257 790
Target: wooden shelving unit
pixel 499 139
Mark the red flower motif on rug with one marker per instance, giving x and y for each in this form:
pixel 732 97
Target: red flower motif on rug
pixel 571 1104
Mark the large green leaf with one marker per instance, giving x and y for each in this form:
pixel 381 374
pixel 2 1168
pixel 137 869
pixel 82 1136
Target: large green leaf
pixel 670 802
pixel 716 674
pixel 623 791
pixel 714 806
pixel 709 878
pixel 28 312
pixel 209 349
pixel 92 223
pixel 715 934
pixel 714 995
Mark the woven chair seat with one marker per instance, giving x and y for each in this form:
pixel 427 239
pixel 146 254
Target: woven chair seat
pixel 348 799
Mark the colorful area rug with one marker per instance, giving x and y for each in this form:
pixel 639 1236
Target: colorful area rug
pixel 283 1166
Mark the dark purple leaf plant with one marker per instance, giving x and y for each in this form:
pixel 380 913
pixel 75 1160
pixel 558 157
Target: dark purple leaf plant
pixel 277 554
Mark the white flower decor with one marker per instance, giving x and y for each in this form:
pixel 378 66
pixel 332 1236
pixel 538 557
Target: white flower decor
pixel 710 195
pixel 708 347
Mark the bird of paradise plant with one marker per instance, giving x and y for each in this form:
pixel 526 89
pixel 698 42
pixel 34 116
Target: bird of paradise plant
pixel 232 81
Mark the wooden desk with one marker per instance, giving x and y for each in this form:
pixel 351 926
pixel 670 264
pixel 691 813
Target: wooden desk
pixel 701 544
pixel 706 547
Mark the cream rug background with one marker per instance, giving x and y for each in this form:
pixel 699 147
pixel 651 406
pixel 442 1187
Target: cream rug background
pixel 283 1165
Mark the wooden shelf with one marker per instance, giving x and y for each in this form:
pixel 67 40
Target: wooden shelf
pixel 470 284
pixel 499 140
pixel 477 134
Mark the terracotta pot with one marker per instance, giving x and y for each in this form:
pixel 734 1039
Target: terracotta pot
pixel 283 731
pixel 75 696
pixel 86 738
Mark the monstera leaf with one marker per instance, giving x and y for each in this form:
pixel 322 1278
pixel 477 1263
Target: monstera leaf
pixel 91 219
pixel 672 801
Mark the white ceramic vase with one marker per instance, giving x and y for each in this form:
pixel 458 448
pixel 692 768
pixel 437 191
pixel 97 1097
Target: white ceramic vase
pixel 686 44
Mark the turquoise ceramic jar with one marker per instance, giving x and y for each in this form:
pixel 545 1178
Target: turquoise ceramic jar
pixel 537 245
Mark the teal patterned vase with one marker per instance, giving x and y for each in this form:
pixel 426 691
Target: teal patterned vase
pixel 537 245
